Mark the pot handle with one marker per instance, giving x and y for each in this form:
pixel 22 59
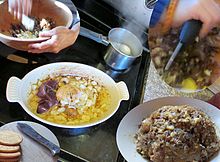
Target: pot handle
pixel 12 90
pixel 93 35
pixel 215 87
pixel 123 90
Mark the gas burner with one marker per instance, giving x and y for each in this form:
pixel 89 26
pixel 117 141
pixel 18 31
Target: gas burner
pixel 114 74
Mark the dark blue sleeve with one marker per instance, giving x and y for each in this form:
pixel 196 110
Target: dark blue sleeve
pixel 73 9
pixel 158 11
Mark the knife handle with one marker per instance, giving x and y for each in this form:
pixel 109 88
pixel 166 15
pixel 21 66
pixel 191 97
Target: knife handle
pixel 28 130
pixel 51 146
pixel 190 31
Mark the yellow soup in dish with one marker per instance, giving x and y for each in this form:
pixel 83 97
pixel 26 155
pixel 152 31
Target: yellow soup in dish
pixel 69 100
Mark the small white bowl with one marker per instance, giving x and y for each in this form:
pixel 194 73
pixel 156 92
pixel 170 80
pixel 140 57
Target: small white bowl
pixel 19 90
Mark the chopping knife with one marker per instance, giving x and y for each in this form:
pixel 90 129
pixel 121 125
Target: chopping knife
pixel 28 130
pixel 189 32
pixel 64 156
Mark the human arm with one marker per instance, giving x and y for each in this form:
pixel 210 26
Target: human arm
pixel 203 10
pixel 60 38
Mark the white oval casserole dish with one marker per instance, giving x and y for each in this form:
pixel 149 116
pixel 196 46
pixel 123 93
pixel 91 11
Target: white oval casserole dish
pixel 18 90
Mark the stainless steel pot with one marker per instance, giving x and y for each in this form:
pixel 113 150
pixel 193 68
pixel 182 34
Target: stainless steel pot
pixel 123 46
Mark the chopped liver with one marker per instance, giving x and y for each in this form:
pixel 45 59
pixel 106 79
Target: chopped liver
pixel 177 134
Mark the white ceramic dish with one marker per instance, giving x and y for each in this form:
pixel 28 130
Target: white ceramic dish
pixel 19 90
pixel 31 150
pixel 129 124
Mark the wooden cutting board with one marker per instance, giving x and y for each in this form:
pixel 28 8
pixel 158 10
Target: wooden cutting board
pixel 31 150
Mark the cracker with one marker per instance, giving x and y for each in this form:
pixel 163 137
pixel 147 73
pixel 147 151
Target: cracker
pixel 10 160
pixel 11 155
pixel 10 138
pixel 4 148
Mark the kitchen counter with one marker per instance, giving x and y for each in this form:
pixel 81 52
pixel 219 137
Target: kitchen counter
pixel 156 87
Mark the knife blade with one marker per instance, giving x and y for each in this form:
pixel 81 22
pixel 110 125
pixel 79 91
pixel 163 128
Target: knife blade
pixel 28 22
pixel 173 56
pixel 28 130
pixel 189 32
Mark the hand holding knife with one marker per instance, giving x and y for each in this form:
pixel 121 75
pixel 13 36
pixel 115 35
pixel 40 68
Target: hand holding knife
pixel 189 32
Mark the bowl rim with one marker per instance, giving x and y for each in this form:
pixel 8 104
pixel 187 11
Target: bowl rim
pixel 69 23
pixel 21 102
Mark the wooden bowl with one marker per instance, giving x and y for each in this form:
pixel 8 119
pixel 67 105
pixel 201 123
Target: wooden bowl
pixel 55 10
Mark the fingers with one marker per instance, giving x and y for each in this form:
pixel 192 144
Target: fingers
pixel 50 45
pixel 206 11
pixel 207 24
pixel 47 50
pixel 205 29
pixel 49 33
pixel 210 18
pixel 61 37
pixel 40 46
pixel 9 7
pixel 15 10
pixel 27 6
pixel 12 7
pixel 19 7
pixel 38 51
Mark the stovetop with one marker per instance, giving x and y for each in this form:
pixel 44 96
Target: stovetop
pixel 98 143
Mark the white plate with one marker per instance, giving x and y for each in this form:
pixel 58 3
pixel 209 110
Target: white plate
pixel 129 124
pixel 32 150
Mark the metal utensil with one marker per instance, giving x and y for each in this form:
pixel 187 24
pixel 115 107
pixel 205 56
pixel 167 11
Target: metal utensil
pixel 28 22
pixel 123 46
pixel 94 36
pixel 28 130
pixel 189 32
pixel 215 87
